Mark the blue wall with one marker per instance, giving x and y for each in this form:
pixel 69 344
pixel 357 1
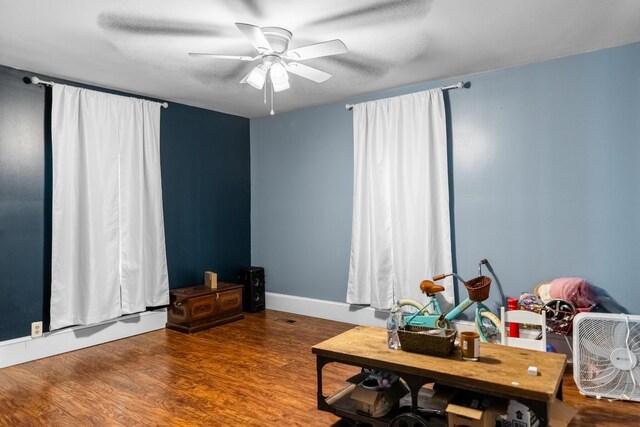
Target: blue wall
pixel 206 195
pixel 301 194
pixel 543 173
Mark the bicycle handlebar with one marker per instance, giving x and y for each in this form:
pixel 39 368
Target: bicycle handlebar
pixel 442 276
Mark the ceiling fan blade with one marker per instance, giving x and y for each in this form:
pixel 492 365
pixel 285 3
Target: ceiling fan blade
pixel 331 47
pixel 374 11
pixel 307 72
pixel 255 36
pixel 217 56
pixel 145 26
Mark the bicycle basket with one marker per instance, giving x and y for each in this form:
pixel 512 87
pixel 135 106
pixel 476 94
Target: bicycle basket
pixel 478 288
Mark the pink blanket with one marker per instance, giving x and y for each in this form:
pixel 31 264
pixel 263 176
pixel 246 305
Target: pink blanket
pixel 575 290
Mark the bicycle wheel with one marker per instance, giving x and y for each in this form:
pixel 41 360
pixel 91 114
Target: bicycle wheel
pixel 488 326
pixel 408 420
pixel 411 303
pixel 422 315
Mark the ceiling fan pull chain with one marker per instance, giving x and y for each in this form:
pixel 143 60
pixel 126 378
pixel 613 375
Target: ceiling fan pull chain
pixel 265 93
pixel 272 113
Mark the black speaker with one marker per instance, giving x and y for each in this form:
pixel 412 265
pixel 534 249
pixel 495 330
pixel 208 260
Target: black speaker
pixel 253 297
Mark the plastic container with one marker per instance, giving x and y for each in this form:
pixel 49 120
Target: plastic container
pixel 394 322
pixel 514 328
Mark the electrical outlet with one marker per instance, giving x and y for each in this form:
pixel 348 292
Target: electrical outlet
pixel 36 329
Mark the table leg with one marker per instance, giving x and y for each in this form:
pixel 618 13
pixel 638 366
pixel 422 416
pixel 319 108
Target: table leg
pixel 415 384
pixel 559 393
pixel 320 362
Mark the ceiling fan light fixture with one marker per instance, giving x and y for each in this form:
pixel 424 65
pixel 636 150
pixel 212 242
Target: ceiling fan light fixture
pixel 257 76
pixel 279 87
pixel 279 77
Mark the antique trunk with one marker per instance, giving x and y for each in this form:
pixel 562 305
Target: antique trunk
pixel 198 307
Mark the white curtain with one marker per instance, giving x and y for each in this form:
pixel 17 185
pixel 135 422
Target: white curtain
pixel 108 248
pixel 401 225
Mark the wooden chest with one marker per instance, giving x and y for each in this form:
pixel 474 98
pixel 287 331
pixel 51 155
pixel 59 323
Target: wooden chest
pixel 196 308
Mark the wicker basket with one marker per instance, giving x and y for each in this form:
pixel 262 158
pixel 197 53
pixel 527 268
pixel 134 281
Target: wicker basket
pixel 478 288
pixel 424 340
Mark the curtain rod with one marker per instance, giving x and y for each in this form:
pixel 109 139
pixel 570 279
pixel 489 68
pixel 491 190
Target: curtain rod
pixel 455 86
pixel 37 81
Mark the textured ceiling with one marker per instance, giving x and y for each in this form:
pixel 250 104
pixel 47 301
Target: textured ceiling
pixel 142 46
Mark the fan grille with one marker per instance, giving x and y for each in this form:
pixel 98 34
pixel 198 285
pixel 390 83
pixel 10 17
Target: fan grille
pixel 606 353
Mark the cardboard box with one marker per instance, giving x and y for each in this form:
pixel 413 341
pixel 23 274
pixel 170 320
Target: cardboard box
pixel 519 415
pixel 560 414
pixel 376 402
pixel 474 410
pixel 210 280
pixel 458 415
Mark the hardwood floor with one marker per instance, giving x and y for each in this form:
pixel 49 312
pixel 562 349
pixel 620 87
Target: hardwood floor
pixel 254 372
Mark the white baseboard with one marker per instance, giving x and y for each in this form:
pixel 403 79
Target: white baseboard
pixel 338 311
pixel 26 349
pixel 330 310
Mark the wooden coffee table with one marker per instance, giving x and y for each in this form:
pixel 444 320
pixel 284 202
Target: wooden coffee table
pixel 501 371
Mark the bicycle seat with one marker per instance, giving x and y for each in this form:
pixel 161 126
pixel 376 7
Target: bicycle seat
pixel 430 288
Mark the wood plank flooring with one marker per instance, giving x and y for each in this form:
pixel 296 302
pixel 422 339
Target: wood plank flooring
pixel 258 371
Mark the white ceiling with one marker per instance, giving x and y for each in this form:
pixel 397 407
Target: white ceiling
pixel 141 46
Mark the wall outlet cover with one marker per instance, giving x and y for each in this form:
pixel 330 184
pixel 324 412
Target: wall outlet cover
pixel 36 329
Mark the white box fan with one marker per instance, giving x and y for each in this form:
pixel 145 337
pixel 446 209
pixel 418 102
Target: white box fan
pixel 606 350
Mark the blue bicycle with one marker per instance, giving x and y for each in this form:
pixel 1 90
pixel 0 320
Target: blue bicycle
pixel 431 315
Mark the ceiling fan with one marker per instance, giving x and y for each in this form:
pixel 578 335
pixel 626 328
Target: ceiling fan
pixel 277 60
